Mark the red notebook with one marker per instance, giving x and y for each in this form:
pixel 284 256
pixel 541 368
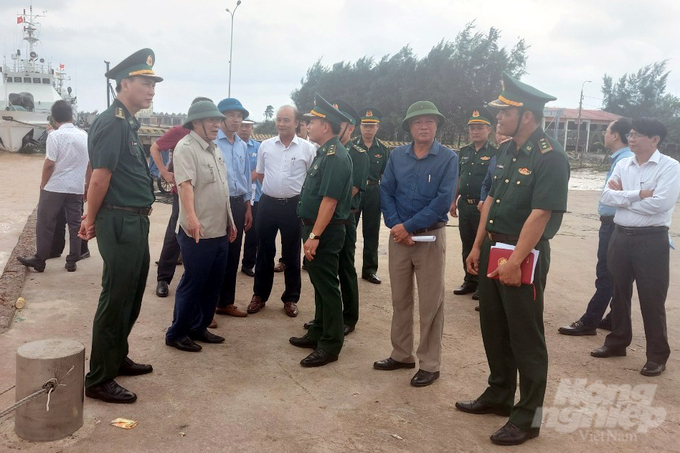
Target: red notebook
pixel 500 253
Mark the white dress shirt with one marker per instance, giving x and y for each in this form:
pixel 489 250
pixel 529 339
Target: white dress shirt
pixel 284 168
pixel 660 174
pixel 67 148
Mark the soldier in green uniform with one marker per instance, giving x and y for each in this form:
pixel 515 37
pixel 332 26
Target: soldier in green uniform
pixel 324 209
pixel 378 153
pixel 119 203
pixel 473 163
pixel 524 208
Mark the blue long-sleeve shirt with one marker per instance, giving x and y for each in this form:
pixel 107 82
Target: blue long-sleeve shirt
pixel 418 192
pixel 253 148
pixel 603 209
pixel 236 159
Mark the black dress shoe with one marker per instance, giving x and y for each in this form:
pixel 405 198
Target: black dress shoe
pixel 162 289
pixel 308 324
pixel 475 407
pixel 475 296
pixel 130 368
pixel 477 308
pixel 185 344
pixel 577 328
pixel 348 329
pixel 303 342
pixel 33 261
pixel 110 392
pixel 250 272
pixel 318 358
pixel 206 337
pixel 652 369
pixel 465 288
pixel 605 324
pixel 390 364
pixel 509 434
pixel 70 266
pixel 605 352
pixel 424 378
pixel 372 278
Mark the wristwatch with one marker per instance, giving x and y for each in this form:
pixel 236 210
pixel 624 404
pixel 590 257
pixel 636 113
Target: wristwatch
pixel 314 236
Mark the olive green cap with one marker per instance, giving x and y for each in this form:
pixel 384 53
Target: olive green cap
pixel 139 63
pixel 347 110
pixel 201 110
pixel 480 115
pixel 324 110
pixel 421 108
pixel 519 94
pixel 370 115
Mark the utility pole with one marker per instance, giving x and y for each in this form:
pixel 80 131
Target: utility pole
pixel 578 124
pixel 231 43
pixel 108 87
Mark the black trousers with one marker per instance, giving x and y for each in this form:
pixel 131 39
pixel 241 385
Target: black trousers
pixel 59 240
pixel 171 251
pixel 250 246
pixel 50 205
pixel 228 291
pixel 468 221
pixel 643 259
pixel 275 216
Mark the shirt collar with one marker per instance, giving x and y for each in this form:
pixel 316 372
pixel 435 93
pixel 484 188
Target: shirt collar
pixel 296 140
pixel 67 126
pixel 620 151
pixel 203 143
pixel 131 119
pixel 655 158
pixel 434 149
pixel 222 136
pixel 532 142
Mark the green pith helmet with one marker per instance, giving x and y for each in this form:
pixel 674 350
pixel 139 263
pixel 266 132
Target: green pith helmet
pixel 202 110
pixel 324 110
pixel 370 115
pixel 347 110
pixel 421 108
pixel 139 63
pixel 518 94
pixel 480 115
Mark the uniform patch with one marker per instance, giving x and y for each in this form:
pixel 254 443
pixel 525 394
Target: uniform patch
pixel 545 145
pixel 331 150
pixel 500 166
pixel 502 261
pixel 359 148
pixel 120 113
pixel 485 158
pixel 524 171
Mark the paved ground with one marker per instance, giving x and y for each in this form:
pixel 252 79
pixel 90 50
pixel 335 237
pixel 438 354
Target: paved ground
pixel 251 395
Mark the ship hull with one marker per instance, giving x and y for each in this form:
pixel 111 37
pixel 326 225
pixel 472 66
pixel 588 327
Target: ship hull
pixel 18 128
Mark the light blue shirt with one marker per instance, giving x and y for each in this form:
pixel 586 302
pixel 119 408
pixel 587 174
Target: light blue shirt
pixel 238 165
pixel 610 211
pixel 253 148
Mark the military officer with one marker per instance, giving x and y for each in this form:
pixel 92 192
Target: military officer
pixel 119 203
pixel 524 208
pixel 324 208
pixel 378 153
pixel 473 162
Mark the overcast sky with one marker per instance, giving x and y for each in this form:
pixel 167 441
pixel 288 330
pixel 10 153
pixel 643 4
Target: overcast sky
pixel 275 42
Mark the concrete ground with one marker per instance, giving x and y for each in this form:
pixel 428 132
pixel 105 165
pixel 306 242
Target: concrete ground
pixel 251 395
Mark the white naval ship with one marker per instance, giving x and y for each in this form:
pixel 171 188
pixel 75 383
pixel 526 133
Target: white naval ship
pixel 29 88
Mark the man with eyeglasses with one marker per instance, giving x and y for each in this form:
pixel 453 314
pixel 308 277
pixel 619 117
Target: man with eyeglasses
pixel 643 189
pixel 616 141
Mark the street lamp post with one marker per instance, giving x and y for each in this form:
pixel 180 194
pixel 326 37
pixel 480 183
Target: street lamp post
pixel 578 122
pixel 231 43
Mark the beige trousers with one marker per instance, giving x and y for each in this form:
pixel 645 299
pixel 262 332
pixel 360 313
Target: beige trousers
pixel 425 260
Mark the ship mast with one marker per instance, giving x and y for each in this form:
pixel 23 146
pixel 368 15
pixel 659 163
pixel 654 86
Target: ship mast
pixel 30 35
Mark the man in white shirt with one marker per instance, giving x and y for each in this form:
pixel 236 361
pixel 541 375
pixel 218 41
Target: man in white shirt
pixel 282 165
pixel 64 181
pixel 644 189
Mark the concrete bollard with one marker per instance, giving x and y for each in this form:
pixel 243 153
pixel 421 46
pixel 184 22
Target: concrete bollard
pixel 37 363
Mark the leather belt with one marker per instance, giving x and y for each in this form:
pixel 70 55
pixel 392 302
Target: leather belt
pixel 140 211
pixel 372 183
pixel 500 237
pixel 282 200
pixel 471 201
pixel 310 222
pixel 237 198
pixel 637 231
pixel 434 226
pixel 606 219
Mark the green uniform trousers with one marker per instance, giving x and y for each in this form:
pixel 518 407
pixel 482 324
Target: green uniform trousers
pixel 468 221
pixel 123 240
pixel 347 273
pixel 370 207
pixel 511 320
pixel 328 328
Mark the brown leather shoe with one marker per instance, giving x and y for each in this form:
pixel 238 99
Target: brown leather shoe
pixel 291 309
pixel 213 324
pixel 255 304
pixel 280 267
pixel 231 310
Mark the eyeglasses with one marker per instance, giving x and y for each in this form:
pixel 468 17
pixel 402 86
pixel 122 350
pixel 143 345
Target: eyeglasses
pixel 634 135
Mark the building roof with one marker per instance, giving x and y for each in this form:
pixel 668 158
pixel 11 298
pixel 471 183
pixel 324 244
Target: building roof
pixel 586 115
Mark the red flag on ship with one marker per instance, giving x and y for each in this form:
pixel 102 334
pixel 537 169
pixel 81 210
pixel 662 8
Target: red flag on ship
pixel 61 66
pixel 20 20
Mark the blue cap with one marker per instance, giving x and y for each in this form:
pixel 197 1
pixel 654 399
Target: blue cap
pixel 232 104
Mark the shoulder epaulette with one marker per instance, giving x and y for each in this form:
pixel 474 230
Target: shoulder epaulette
pixel 544 145
pixel 331 150
pixel 120 113
pixel 358 148
pixel 495 145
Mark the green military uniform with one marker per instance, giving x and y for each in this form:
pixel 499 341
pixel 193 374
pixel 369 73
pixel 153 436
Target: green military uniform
pixel 472 167
pixel 378 153
pixel 347 273
pixel 533 177
pixel 121 225
pixel 330 175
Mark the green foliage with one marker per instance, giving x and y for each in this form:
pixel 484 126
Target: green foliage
pixel 269 112
pixel 454 75
pixel 267 128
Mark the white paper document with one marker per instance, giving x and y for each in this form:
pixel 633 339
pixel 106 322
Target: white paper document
pixel 423 238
